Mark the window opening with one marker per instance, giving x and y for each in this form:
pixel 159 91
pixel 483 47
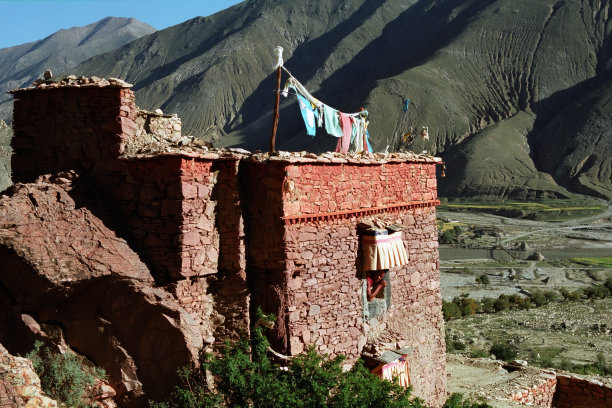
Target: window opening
pixel 382 248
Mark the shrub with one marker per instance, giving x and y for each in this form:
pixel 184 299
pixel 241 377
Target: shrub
pixel 483 280
pixel 479 353
pixel 454 345
pixel 571 296
pixel 550 296
pixel 447 237
pixel 501 303
pixel 63 376
pixel 597 292
pixel 455 400
pixel 486 305
pixel 538 298
pixel 450 310
pixel 600 367
pixel 608 285
pixel 245 376
pixel 468 306
pixel 503 351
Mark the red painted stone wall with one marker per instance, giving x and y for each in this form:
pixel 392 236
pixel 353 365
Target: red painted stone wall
pixel 574 392
pixel 315 257
pixel 324 188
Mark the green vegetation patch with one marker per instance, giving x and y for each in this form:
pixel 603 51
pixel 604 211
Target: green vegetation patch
pixel 602 262
pixel 247 376
pixel 543 210
pixel 64 377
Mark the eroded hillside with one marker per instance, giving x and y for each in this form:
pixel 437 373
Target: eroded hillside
pixel 513 92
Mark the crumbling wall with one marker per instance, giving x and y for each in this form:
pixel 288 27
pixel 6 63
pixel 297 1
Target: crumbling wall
pixel 539 395
pixel 69 128
pixel 186 226
pixel 575 392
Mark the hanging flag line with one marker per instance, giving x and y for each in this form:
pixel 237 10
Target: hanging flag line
pixel 350 128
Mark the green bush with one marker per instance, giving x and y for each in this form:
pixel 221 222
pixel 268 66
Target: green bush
pixel 479 353
pixel 597 292
pixel 483 280
pixel 447 237
pixel 455 400
pixel 571 296
pixel 486 305
pixel 467 305
pixel 538 298
pixel 245 376
pixel 450 310
pixel 600 367
pixel 63 376
pixel 453 345
pixel 503 351
pixel 608 285
pixel 501 303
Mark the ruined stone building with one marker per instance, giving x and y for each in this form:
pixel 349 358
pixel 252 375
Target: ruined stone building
pixel 155 248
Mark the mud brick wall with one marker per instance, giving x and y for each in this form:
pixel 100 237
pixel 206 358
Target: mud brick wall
pixel 540 395
pixel 69 129
pixel 323 303
pixel 574 392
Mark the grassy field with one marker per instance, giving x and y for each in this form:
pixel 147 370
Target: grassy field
pixel 544 210
pixel 603 262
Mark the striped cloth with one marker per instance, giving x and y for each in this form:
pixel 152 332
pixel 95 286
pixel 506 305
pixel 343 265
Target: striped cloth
pixel 383 251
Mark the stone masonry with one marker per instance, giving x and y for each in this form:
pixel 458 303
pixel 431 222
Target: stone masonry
pixel 228 231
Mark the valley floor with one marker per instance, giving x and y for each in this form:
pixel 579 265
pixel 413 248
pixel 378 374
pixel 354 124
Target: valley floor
pixel 521 257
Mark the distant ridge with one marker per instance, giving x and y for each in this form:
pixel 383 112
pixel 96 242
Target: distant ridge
pixel 514 92
pixel 21 64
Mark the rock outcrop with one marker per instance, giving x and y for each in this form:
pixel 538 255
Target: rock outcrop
pixel 61 266
pixel 19 384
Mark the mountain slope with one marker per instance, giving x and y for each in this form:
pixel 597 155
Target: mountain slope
pixel 21 64
pixel 5 155
pixel 466 65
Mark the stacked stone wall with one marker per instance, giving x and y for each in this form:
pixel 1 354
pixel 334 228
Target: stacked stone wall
pixel 148 194
pixel 574 392
pixel 298 243
pixel 170 203
pixel 69 129
pixel 540 395
pixel 261 191
pixel 186 220
pixel 230 290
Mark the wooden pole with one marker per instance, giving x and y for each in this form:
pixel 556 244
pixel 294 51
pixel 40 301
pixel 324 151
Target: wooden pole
pixel 275 115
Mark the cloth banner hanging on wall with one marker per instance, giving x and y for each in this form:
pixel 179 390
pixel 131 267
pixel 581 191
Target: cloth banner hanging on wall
pixel 383 250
